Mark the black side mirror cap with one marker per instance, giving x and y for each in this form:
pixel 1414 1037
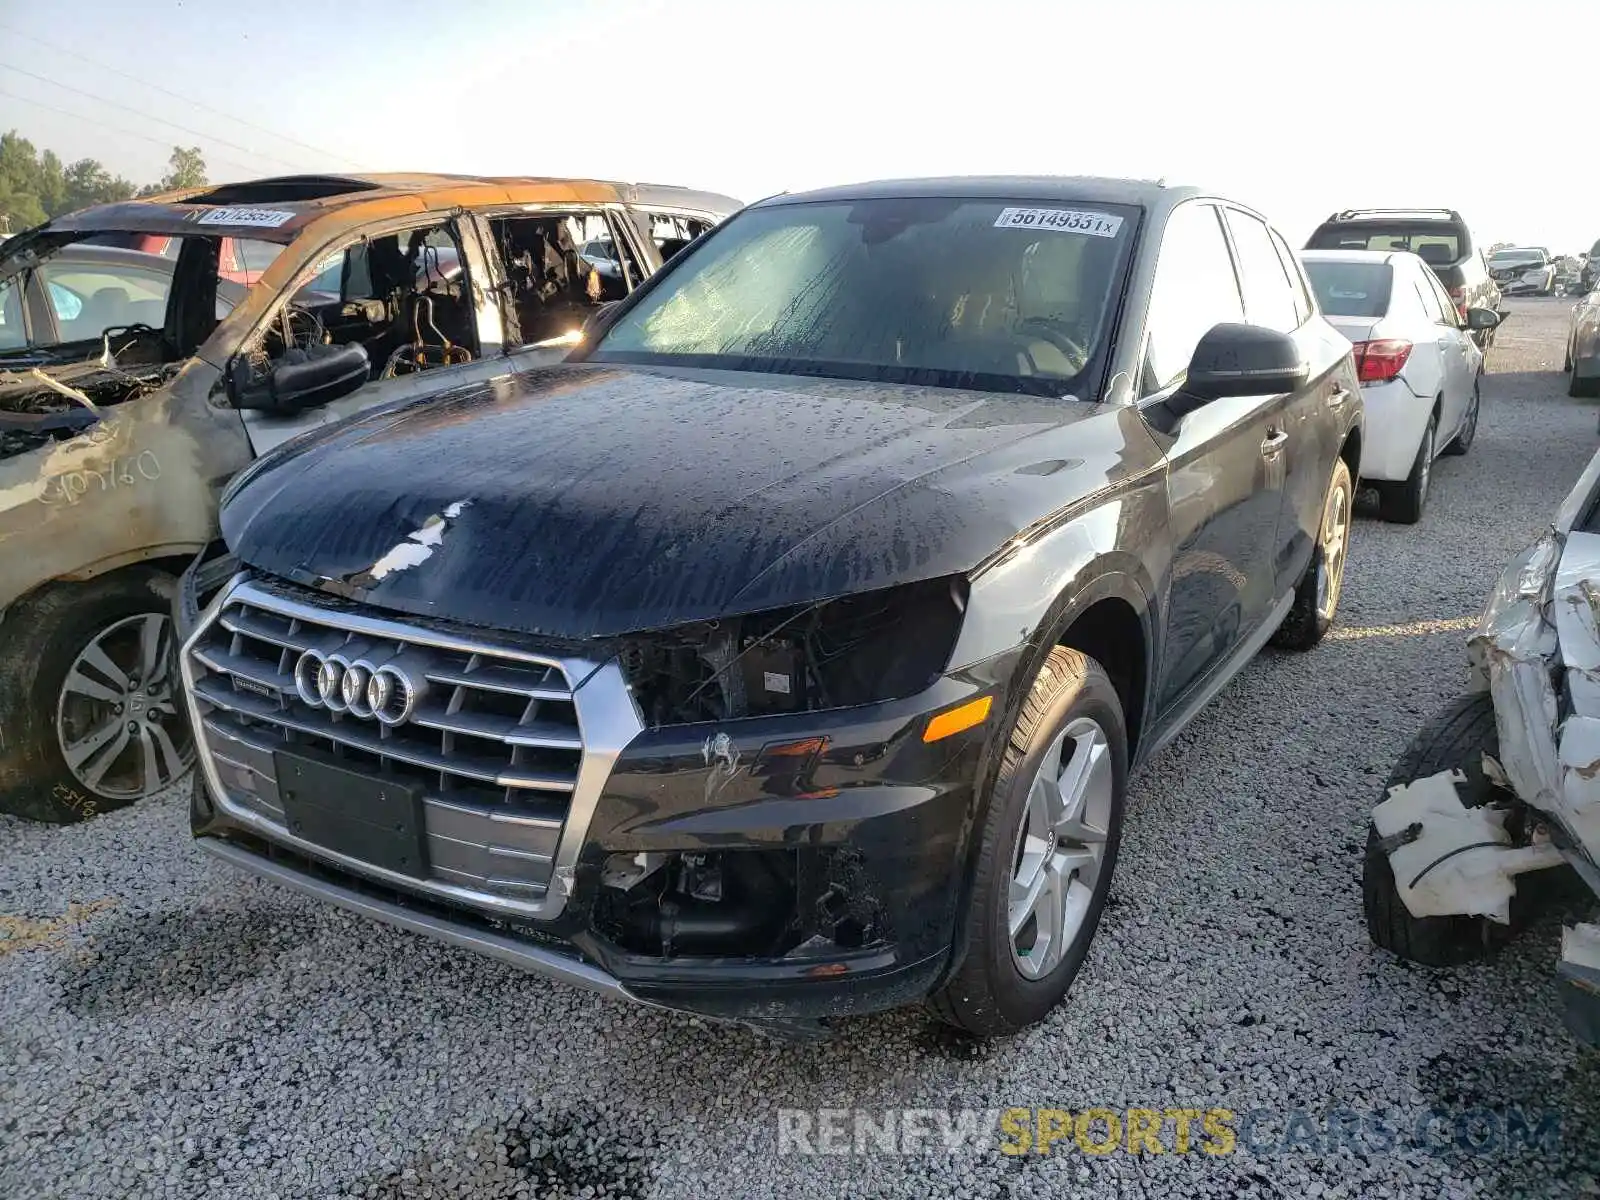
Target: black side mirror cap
pixel 1244 360
pixel 1483 319
pixel 302 379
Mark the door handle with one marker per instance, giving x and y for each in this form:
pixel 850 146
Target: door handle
pixel 1272 445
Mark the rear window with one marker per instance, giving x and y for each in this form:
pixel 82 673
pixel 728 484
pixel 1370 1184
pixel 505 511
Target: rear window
pixel 1435 243
pixel 1351 289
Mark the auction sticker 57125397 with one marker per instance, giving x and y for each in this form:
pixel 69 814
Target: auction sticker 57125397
pixel 1061 220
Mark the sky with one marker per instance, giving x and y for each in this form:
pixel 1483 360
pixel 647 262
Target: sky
pixel 1294 107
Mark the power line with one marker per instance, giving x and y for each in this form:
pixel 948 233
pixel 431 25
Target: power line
pixel 155 87
pixel 158 120
pixel 113 128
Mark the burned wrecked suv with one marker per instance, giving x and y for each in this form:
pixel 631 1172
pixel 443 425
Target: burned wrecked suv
pixel 786 654
pixel 148 350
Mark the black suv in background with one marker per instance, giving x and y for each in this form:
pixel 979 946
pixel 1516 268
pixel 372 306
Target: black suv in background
pixel 1589 273
pixel 785 654
pixel 1438 236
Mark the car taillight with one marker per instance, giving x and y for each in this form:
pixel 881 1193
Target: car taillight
pixel 1382 360
pixel 1459 295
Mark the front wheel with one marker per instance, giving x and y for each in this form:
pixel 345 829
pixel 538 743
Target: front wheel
pixel 90 708
pixel 1316 597
pixel 1049 846
pixel 1456 739
pixel 1581 388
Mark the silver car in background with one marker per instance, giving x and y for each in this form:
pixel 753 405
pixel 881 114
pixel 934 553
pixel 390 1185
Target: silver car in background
pixel 1583 347
pixel 1523 271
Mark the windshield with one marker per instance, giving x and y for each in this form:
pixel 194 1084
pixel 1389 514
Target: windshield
pixel 1351 289
pixel 1512 258
pixel 987 294
pixel 103 283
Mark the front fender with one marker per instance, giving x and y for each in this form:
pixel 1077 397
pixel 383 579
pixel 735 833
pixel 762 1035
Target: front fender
pixel 141 482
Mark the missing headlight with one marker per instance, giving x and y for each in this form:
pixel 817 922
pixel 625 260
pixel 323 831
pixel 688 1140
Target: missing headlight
pixel 879 645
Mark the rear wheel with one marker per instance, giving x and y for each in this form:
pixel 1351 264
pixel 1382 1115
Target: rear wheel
pixel 1316 598
pixel 1404 502
pixel 90 709
pixel 1049 846
pixel 1462 442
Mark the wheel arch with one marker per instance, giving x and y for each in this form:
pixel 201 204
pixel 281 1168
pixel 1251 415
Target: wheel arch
pixel 171 559
pixel 1105 604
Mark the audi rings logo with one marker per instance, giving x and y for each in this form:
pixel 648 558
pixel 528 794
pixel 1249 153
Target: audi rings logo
pixel 356 686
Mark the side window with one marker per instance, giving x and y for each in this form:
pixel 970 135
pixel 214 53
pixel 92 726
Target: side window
pixel 673 231
pixel 1268 295
pixel 1304 306
pixel 405 297
pixel 1429 302
pixel 1195 288
pixel 88 298
pixel 559 267
pixel 1447 306
pixel 12 336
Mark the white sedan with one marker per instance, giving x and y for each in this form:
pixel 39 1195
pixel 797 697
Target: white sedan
pixel 1418 367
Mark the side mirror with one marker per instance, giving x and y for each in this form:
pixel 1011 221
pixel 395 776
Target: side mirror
pixel 597 321
pixel 1483 319
pixel 302 379
pixel 1244 360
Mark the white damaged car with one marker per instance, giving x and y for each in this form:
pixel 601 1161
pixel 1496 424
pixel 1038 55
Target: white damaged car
pixel 1418 365
pixel 1506 780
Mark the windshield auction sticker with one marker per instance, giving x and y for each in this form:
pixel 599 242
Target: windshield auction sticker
pixel 1062 220
pixel 260 218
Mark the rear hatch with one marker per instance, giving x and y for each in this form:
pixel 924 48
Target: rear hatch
pixel 1443 244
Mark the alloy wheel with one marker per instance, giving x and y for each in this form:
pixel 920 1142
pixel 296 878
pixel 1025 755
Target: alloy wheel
pixel 1060 848
pixel 117 719
pixel 1335 540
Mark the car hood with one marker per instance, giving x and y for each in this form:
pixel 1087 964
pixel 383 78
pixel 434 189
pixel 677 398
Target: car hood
pixel 586 501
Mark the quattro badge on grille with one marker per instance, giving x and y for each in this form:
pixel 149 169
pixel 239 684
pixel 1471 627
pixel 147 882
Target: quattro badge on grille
pixel 357 686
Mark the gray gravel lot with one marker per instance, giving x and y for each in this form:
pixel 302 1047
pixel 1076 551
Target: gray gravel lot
pixel 185 1032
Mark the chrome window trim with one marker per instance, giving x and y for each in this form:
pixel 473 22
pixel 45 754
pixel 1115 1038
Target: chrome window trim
pixel 608 720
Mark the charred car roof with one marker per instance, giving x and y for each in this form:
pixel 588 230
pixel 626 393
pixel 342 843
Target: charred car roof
pixel 281 208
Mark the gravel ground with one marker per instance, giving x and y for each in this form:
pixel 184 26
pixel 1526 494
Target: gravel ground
pixel 182 1031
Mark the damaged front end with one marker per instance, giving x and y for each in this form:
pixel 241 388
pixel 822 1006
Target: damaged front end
pixel 1536 652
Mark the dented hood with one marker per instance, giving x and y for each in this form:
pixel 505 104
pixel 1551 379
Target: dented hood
pixel 584 501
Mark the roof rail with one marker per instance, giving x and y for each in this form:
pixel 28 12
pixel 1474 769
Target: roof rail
pixel 1352 213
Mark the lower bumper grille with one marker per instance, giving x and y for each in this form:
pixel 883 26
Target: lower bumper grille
pixel 492 736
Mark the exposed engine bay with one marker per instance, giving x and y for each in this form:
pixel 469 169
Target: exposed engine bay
pixel 852 650
pixel 40 404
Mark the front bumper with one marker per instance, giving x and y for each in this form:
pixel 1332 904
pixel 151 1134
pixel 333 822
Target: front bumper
pixel 1396 419
pixel 861 827
pixel 1524 286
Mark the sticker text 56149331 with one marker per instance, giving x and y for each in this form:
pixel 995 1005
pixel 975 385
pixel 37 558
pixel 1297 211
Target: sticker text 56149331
pixel 1060 220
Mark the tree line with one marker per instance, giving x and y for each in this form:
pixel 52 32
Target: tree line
pixel 35 186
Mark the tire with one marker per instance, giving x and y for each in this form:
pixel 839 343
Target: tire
pixel 1581 389
pixel 1316 596
pixel 1456 738
pixel 127 617
pixel 1462 442
pixel 1403 502
pixel 994 992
